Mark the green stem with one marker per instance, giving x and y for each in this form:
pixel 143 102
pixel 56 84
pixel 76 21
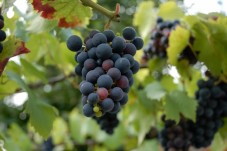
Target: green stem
pixel 110 14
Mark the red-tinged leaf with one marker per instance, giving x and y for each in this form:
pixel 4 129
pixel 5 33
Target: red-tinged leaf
pixel 68 13
pixel 19 48
pixel 63 23
pixel 45 9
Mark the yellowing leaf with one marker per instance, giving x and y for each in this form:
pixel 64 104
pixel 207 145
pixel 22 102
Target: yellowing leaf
pixel 145 17
pixel 178 40
pixel 170 10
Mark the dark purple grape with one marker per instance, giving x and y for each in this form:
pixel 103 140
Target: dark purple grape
pixel 93 98
pixel 114 73
pixel 103 51
pixel 86 88
pixel 122 64
pixel 99 38
pixel 116 94
pixel 105 81
pixel 109 35
pixel 130 49
pixel 118 44
pixel 129 33
pixel 74 43
pixel 107 105
pixel 88 110
pixel 138 42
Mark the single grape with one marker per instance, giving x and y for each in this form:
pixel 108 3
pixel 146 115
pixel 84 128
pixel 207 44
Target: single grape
pixel 102 93
pixel 122 64
pixel 99 38
pixel 92 76
pixel 129 33
pixel 88 110
pixel 86 88
pixel 74 43
pixel 90 64
pixel 82 57
pixel 109 35
pixel 93 98
pixel 114 73
pixel 130 49
pixel 107 64
pixel 123 82
pixel 138 42
pixel 118 44
pixel 116 94
pixel 107 105
pixel 105 81
pixel 135 68
pixel 103 51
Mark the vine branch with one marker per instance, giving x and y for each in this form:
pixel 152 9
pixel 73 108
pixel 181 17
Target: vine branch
pixel 110 14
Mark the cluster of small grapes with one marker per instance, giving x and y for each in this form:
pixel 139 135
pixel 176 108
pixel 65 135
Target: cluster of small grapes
pixel 212 107
pixel 106 65
pixel 175 137
pixel 108 122
pixel 160 41
pixel 2 33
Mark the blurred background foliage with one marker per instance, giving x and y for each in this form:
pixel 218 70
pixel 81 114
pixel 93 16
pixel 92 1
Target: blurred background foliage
pixel 48 71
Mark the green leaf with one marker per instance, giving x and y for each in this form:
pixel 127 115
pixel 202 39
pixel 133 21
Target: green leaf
pixel 210 42
pixel 218 143
pixel 20 138
pixel 33 71
pixel 178 40
pixel 177 103
pixel 167 83
pixel 155 90
pixel 145 10
pixel 41 114
pixel 169 10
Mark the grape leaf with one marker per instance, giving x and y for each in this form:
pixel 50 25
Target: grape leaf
pixel 41 114
pixel 68 13
pixel 11 47
pixel 145 11
pixel 178 40
pixel 155 90
pixel 177 102
pixel 170 10
pixel 210 42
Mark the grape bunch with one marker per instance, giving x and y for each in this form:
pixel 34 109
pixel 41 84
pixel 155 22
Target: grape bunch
pixel 107 65
pixel 175 137
pixel 212 108
pixel 108 122
pixel 2 33
pixel 160 41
